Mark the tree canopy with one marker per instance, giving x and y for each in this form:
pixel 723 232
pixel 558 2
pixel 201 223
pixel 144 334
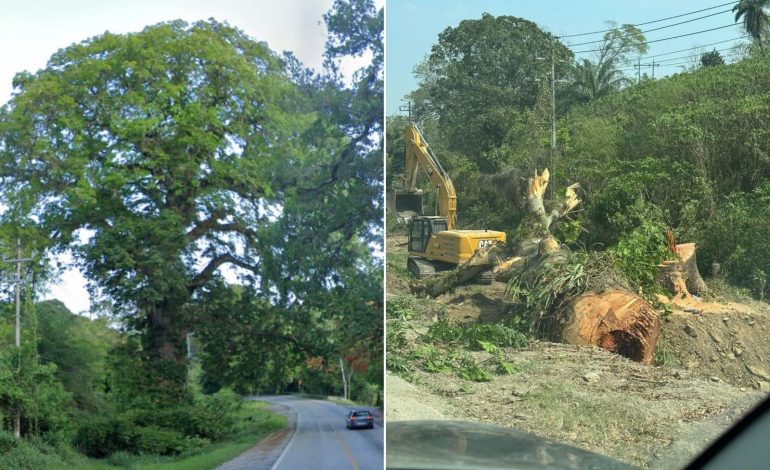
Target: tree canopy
pixel 481 75
pixel 161 158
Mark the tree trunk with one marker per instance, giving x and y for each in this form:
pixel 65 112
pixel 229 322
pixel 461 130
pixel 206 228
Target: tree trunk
pixel 165 343
pixel 344 382
pixel 682 277
pixel 615 320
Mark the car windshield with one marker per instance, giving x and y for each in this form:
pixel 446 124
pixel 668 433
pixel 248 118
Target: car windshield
pixel 361 414
pixel 627 314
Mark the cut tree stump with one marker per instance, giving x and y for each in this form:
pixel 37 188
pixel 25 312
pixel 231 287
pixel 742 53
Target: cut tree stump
pixel 615 320
pixel 681 277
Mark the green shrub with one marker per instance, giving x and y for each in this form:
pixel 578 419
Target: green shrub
pixel 733 236
pixel 7 441
pixel 30 455
pixel 122 459
pixel 100 436
pixel 159 441
pixel 639 253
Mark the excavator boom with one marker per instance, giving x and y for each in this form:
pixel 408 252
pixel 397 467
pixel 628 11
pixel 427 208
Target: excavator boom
pixel 408 201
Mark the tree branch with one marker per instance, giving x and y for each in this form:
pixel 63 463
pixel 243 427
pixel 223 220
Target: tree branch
pixel 206 274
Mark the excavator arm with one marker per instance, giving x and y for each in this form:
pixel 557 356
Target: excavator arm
pixel 419 154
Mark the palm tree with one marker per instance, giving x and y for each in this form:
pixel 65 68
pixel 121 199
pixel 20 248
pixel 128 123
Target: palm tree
pixel 754 17
pixel 594 80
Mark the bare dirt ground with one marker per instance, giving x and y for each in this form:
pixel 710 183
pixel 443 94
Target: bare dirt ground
pixel 712 366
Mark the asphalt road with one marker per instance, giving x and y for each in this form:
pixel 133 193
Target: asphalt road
pixel 322 442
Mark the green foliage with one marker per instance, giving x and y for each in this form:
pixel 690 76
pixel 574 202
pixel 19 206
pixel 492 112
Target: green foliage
pixel 552 286
pixel 100 436
pixel 7 441
pixel 32 388
pixel 184 148
pixel 639 253
pixel 729 236
pixel 753 14
pixel 78 346
pixel 477 82
pixel 603 76
pixel 712 58
pixel 159 441
pixel 470 370
pixel 444 332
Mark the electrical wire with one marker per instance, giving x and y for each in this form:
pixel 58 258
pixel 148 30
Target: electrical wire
pixel 668 38
pixel 690 48
pixel 657 29
pixel 649 22
pixel 725 56
pixel 694 54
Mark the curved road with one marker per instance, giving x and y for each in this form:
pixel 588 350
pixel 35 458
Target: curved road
pixel 321 440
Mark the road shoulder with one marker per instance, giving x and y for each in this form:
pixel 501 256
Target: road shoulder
pixel 265 454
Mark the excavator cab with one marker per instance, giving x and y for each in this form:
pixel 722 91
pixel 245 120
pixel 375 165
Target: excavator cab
pixel 420 230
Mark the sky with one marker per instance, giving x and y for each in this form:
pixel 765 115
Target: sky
pixel 32 30
pixel 413 26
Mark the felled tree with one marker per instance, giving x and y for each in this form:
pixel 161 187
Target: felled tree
pixel 577 299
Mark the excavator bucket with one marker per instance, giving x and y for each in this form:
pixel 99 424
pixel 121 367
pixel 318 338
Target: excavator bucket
pixel 404 204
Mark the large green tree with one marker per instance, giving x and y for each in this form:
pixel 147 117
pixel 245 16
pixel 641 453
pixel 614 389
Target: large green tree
pixel 327 281
pixel 161 157
pixel 480 76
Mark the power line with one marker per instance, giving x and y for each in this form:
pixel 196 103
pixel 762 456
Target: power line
pixel 659 28
pixel 657 64
pixel 666 39
pixel 690 48
pixel 649 22
pixel 694 54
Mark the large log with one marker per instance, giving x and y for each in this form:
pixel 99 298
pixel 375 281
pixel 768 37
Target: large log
pixel 482 260
pixel 615 320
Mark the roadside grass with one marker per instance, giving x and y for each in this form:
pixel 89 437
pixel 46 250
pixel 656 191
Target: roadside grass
pixel 254 421
pixel 601 422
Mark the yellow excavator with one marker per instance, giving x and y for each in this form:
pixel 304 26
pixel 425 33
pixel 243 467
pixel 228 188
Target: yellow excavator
pixel 434 245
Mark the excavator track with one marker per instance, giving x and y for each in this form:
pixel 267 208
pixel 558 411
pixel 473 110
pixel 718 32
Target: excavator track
pixel 485 278
pixel 420 267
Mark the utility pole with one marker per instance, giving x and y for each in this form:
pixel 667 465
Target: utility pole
pixel 17 281
pixel 554 81
pixel 407 108
pixel 639 66
pixel 638 69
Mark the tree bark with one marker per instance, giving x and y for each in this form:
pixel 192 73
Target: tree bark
pixel 682 277
pixel 344 382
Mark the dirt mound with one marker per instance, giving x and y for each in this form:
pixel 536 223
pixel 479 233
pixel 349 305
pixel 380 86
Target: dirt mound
pixel 724 340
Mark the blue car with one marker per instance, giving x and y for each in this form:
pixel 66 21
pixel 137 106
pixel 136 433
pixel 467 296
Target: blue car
pixel 359 419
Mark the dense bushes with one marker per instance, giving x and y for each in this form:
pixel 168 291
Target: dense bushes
pixel 100 436
pixel 166 431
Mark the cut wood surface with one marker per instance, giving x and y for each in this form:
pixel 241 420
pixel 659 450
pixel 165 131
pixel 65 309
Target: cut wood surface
pixel 681 277
pixel 615 320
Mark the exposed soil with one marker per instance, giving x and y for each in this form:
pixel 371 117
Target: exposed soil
pixel 712 365
pixel 726 340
